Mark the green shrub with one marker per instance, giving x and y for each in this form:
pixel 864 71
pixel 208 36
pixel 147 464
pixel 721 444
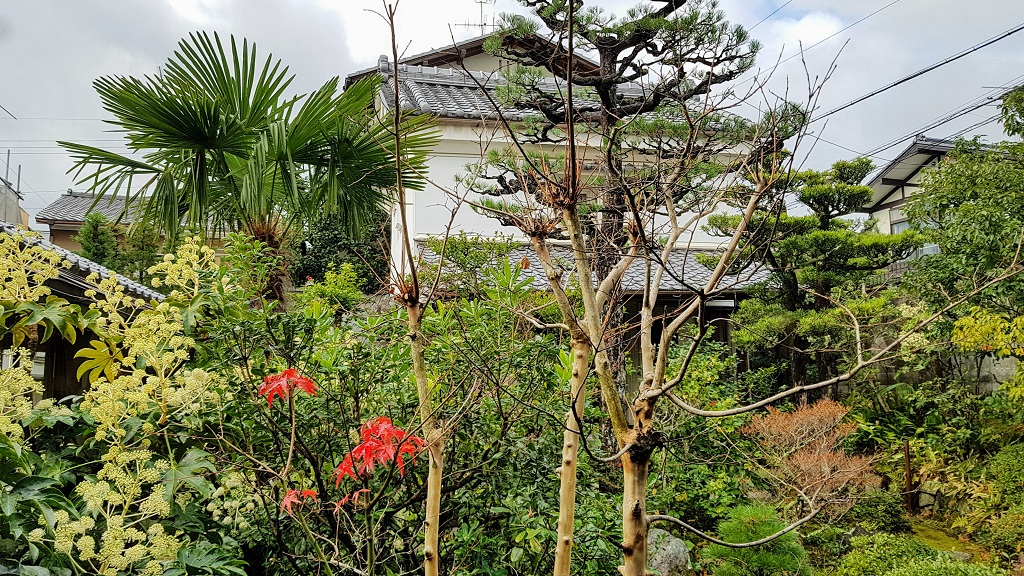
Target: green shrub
pixel 945 566
pixel 880 511
pixel 340 288
pixel 876 555
pixel 1007 468
pixel 826 546
pixel 1006 535
pixel 784 556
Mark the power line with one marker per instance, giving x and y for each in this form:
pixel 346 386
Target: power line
pixel 937 122
pixel 925 70
pixel 55 139
pixel 975 126
pixel 26 184
pixel 834 34
pixel 774 12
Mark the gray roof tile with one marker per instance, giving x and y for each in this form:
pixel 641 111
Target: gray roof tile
pixel 452 93
pixel 683 270
pixel 74 206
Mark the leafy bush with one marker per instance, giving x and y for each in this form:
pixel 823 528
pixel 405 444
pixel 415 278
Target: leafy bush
pixel 340 288
pixel 330 242
pixel 1006 534
pixel 879 511
pixel 826 546
pixel 1007 468
pixel 944 566
pixel 876 555
pixel 780 557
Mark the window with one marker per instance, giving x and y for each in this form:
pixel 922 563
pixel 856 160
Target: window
pixel 926 250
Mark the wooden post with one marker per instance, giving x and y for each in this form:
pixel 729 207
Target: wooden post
pixel 909 491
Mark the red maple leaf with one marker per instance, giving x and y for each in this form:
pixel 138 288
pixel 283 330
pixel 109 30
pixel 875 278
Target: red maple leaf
pixel 291 498
pixel 284 384
pixel 344 469
pixel 382 442
pixel 308 494
pixel 353 498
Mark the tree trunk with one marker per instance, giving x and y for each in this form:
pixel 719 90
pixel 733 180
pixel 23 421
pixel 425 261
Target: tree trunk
pixel 581 350
pixel 431 532
pixel 634 512
pixel 435 444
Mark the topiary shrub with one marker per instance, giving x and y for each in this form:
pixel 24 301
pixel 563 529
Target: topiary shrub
pixel 784 556
pixel 880 511
pixel 945 566
pixel 1007 469
pixel 877 554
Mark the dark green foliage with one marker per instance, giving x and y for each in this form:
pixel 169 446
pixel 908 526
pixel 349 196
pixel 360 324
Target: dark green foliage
pixel 332 243
pixel 784 556
pixel 98 239
pixel 127 251
pixel 876 555
pixel 879 511
pixel 138 250
pixel 812 261
pixel 206 559
pixel 972 207
pixel 835 192
pixel 1007 468
pixel 826 546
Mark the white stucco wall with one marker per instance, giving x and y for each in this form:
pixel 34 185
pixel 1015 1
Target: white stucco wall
pixel 430 211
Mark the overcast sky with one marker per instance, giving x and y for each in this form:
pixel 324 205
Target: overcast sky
pixel 52 50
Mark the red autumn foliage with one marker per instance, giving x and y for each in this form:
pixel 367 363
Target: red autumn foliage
pixel 381 442
pixel 353 498
pixel 294 497
pixel 284 384
pixel 803 450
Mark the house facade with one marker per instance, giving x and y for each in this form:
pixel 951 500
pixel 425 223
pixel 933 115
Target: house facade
pixel 65 216
pixel 900 179
pixel 457 86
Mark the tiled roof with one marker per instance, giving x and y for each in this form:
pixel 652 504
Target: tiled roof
pixel 452 93
pixel 83 267
pixel 682 269
pixel 74 206
pixel 453 54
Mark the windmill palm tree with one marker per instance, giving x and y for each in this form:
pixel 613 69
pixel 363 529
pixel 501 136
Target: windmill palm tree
pixel 216 144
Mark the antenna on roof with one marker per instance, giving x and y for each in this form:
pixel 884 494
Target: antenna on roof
pixel 483 25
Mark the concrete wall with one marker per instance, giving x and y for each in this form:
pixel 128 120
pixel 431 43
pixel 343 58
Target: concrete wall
pixel 10 208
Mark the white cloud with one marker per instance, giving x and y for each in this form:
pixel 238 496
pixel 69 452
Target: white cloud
pixel 201 12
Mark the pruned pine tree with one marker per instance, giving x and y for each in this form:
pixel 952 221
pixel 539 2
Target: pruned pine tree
pixel 809 256
pixel 653 143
